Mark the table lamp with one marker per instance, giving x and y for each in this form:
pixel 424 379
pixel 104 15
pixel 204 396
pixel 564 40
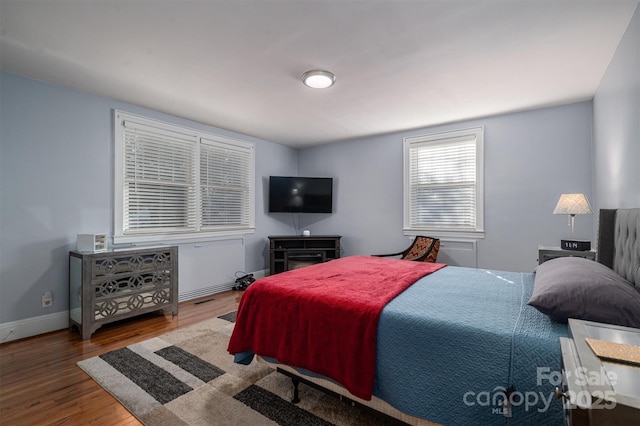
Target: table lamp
pixel 571 205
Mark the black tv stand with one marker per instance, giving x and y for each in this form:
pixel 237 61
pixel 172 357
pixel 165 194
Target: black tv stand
pixel 288 252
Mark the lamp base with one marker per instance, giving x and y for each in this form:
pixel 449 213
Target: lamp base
pixel 575 245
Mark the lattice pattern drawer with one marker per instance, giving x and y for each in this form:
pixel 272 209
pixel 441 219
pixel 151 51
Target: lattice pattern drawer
pixel 127 264
pixel 106 308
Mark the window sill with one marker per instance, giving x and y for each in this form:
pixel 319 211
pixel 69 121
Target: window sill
pixel 134 240
pixel 441 233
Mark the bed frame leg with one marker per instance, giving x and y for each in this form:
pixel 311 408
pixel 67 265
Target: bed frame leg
pixel 296 397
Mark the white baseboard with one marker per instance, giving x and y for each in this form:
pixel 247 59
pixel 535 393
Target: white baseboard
pixel 33 326
pixel 60 320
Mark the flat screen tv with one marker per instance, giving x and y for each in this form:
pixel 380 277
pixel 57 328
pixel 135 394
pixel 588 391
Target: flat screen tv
pixel 300 194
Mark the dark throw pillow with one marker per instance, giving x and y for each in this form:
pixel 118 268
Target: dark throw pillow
pixel 574 287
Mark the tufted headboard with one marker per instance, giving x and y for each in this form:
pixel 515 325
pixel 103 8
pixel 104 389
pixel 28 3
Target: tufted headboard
pixel 619 242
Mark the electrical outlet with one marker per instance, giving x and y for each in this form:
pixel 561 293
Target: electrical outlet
pixel 47 299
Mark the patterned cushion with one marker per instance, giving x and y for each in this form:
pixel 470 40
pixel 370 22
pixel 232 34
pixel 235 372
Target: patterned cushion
pixel 420 246
pixel 433 256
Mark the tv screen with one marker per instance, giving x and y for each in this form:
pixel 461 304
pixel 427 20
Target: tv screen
pixel 300 194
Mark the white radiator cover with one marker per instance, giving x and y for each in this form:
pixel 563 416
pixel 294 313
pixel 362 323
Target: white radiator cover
pixel 458 252
pixel 206 268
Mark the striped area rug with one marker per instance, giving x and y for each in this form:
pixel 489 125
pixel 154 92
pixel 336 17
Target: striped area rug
pixel 186 377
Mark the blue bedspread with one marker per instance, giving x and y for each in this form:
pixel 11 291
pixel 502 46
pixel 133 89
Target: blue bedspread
pixel 452 342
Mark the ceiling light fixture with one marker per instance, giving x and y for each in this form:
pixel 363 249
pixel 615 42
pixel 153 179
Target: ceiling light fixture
pixel 318 79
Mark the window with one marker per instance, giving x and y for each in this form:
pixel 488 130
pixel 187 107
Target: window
pixel 176 183
pixel 443 184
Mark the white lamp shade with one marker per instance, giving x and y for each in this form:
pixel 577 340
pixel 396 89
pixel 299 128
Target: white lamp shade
pixel 572 204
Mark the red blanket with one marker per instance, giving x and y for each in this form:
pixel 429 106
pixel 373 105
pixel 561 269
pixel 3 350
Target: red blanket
pixel 324 318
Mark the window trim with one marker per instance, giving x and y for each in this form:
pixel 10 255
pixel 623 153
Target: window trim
pixel 445 232
pixel 119 237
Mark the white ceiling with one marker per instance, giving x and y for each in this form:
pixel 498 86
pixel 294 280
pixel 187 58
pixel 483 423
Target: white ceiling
pixel 237 64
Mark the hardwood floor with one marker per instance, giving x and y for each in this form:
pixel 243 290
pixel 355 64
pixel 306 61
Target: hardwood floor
pixel 40 383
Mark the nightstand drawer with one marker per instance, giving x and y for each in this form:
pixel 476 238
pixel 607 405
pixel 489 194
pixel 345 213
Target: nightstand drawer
pixel 548 253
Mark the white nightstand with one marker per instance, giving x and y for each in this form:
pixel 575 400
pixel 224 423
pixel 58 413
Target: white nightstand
pixel 595 391
pixel 547 253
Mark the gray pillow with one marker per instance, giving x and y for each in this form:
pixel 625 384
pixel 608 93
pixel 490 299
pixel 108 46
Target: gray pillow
pixel 574 287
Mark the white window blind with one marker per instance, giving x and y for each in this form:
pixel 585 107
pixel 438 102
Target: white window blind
pixel 159 181
pixel 224 185
pixel 443 183
pixel 177 183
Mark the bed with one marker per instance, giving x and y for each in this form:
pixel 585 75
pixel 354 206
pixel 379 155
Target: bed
pixel 441 344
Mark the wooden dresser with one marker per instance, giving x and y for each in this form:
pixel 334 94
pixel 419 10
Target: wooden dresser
pixel 118 284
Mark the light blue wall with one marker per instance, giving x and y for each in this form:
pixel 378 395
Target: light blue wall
pixel 616 126
pixel 56 174
pixel 56 178
pixel 530 159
